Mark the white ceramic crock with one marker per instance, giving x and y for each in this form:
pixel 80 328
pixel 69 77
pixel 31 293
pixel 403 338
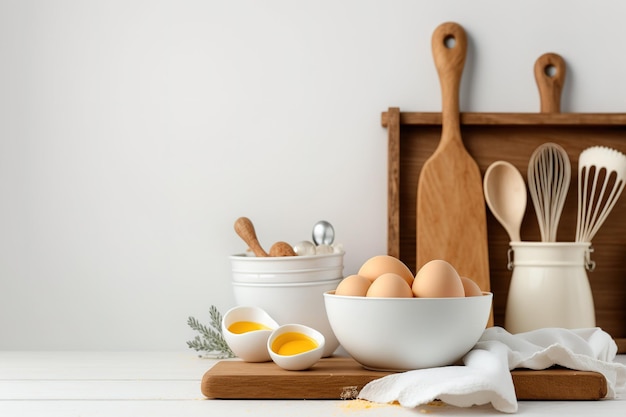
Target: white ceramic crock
pixel 549 286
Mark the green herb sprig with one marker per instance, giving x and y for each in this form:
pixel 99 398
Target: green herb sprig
pixel 210 340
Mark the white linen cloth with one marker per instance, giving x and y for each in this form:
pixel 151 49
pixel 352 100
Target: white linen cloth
pixel 486 377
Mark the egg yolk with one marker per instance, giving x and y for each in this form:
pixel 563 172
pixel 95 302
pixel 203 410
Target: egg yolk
pixel 239 327
pixel 293 343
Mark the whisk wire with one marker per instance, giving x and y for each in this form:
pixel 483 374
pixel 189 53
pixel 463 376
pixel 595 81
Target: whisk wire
pixel 606 209
pixel 549 173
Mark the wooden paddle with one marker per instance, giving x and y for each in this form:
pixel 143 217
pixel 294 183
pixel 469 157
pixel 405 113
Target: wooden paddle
pixel 451 214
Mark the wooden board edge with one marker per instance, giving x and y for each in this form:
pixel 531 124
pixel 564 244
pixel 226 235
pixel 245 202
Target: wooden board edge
pixel 336 387
pixel 544 119
pixel 550 384
pixel 558 385
pixel 393 183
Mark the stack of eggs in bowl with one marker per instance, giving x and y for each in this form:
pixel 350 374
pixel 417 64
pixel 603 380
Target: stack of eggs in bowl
pixel 388 319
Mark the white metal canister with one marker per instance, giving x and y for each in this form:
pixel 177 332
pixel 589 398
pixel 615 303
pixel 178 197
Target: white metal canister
pixel 549 286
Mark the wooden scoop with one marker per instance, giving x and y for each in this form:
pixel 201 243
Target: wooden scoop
pixel 451 214
pixel 245 230
pixel 282 249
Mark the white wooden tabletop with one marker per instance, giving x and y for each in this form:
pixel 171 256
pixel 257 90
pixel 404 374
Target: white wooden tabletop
pixel 168 384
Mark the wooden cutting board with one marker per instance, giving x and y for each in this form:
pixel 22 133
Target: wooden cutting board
pixel 451 214
pixel 342 378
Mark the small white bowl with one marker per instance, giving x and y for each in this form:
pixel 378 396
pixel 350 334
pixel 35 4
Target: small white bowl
pixel 250 346
pixel 297 361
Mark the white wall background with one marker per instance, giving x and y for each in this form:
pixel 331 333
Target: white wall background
pixel 133 133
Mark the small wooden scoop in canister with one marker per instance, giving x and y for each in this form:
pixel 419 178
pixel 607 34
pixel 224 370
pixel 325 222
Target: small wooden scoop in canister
pixel 245 230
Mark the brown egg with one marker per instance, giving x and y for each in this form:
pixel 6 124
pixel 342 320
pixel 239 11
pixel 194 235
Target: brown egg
pixel 390 285
pixel 470 287
pixel 437 279
pixel 353 285
pixel 382 264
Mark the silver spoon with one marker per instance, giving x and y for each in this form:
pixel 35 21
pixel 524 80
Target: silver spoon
pixel 323 233
pixel 505 193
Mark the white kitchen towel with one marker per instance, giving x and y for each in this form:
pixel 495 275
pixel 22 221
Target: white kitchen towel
pixel 485 376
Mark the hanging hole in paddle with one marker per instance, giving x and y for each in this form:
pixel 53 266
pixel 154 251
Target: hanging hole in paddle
pixel 449 41
pixel 550 70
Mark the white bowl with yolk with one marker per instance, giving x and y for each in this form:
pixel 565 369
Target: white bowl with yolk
pixel 295 347
pixel 246 329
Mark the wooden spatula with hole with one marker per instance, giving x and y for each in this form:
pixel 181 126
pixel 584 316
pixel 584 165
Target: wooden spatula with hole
pixel 451 214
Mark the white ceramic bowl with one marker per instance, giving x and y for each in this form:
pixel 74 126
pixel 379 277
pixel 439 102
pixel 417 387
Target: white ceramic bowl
pixel 274 270
pixel 249 346
pixel 399 334
pixel 300 302
pixel 300 361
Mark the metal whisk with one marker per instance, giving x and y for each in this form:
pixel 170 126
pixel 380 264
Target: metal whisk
pixel 601 179
pixel 549 175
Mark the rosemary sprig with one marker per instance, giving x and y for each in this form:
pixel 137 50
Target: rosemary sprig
pixel 210 340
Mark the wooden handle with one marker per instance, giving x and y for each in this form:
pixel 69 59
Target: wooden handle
pixel 449 46
pixel 550 77
pixel 245 230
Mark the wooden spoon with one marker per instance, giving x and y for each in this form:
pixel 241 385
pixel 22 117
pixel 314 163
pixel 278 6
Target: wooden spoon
pixel 506 196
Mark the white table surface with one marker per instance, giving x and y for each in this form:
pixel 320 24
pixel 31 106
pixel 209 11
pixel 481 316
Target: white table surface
pixel 168 384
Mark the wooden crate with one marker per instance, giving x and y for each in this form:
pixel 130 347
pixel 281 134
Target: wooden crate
pixel 488 137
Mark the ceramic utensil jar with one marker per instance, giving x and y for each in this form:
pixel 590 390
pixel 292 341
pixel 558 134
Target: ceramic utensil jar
pixel 549 286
